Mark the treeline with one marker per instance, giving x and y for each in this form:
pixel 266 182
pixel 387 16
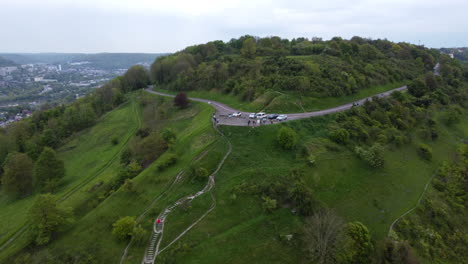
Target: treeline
pixel 247 67
pixel 22 143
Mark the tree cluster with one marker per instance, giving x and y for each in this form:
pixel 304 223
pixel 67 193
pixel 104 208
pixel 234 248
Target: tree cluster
pixel 248 67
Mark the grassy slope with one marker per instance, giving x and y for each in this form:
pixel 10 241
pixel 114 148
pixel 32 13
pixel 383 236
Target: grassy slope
pixel 273 101
pixel 89 157
pixel 194 136
pixel 244 233
pixel 238 227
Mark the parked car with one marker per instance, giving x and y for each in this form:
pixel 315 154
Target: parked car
pixel 272 116
pixel 236 114
pixel 252 115
pixel 282 117
pixel 260 115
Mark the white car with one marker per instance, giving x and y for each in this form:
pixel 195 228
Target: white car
pixel 252 115
pixel 282 117
pixel 260 115
pixel 236 114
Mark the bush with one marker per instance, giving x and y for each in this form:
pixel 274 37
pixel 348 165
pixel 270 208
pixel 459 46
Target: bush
pixel 123 228
pixel 425 151
pixel 168 135
pixel 372 156
pixel 115 141
pixel 269 204
pixel 340 135
pixel 139 235
pixel 170 160
pixel 287 138
pixel 200 174
pixel 181 100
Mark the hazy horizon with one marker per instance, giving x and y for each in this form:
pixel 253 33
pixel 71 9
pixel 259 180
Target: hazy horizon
pixel 145 26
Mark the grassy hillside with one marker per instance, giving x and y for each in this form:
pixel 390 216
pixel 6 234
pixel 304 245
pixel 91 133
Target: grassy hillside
pixel 89 157
pixel 244 232
pixel 239 226
pixel 90 173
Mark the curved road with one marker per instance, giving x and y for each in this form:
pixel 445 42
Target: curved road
pixel 222 110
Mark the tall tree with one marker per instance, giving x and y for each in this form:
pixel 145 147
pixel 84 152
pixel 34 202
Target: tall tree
pixel 18 176
pixel 48 218
pixel 136 77
pixel 48 167
pixel 321 235
pixel 249 48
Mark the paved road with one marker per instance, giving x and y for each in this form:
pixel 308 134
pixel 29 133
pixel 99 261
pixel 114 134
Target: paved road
pixel 222 110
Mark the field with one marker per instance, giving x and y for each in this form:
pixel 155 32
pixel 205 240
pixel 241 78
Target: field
pixel 287 102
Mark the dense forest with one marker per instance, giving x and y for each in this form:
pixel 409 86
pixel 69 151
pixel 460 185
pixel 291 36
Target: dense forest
pixel 248 67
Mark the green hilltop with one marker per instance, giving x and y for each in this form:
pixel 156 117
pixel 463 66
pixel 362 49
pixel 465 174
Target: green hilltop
pixel 384 182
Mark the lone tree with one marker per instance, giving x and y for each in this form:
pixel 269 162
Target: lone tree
pixel 18 176
pixel 321 236
pixel 48 168
pixel 123 228
pixel 181 100
pixel 287 138
pixel 48 218
pixel 357 246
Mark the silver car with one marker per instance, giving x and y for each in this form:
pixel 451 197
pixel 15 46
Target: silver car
pixel 282 117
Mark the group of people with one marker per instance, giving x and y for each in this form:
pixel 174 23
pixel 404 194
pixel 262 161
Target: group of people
pixel 258 122
pixel 254 122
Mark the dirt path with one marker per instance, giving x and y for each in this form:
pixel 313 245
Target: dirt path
pixel 222 110
pixel 158 228
pixel 390 230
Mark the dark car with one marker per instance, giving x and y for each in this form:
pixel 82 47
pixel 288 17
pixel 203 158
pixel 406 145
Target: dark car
pixel 272 116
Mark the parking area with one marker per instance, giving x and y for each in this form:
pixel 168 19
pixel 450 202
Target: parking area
pixel 246 119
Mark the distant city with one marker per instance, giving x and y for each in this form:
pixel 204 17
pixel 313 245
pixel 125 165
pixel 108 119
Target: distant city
pixel 27 86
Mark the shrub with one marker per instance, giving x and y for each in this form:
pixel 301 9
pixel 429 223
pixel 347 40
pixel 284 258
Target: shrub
pixel 139 235
pixel 168 135
pixel 167 162
pixel 200 173
pixel 123 228
pixel 115 141
pixel 372 156
pixel 181 100
pixel 425 151
pixel 287 138
pixel 311 160
pixel 340 135
pixel 269 204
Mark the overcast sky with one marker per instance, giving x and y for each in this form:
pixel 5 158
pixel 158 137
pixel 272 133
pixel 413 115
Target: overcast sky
pixel 170 25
